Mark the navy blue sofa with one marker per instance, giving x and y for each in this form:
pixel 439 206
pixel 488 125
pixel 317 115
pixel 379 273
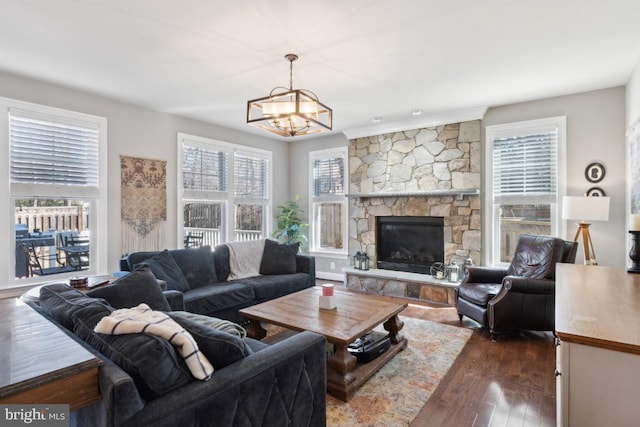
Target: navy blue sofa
pixel 202 277
pixel 268 385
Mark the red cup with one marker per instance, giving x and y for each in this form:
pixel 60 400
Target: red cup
pixel 327 290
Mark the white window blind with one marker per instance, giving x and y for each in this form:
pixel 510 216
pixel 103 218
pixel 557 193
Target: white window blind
pixel 51 156
pixel 525 165
pixel 328 176
pixel 251 176
pixel 204 170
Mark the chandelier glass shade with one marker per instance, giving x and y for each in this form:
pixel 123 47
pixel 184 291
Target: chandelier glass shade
pixel 288 111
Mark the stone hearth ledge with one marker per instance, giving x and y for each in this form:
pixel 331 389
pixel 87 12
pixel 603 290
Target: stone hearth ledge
pixel 401 284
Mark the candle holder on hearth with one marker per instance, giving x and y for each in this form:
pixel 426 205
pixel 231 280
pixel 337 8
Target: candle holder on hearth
pixel 634 253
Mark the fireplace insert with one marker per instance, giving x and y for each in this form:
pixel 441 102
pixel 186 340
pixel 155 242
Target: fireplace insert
pixel 409 243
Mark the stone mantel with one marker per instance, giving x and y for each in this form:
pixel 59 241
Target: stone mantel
pixel 429 193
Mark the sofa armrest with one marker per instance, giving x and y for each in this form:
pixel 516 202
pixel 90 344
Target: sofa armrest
pixel 175 299
pixel 525 285
pixel 283 384
pixel 480 274
pixel 307 264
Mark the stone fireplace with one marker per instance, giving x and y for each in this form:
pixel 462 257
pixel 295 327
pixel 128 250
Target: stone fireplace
pixel 429 172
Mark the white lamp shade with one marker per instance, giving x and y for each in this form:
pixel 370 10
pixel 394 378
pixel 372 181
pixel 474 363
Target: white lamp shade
pixel 585 208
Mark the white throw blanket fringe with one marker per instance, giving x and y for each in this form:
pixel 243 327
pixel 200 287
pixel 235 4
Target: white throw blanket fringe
pixel 245 258
pixel 143 320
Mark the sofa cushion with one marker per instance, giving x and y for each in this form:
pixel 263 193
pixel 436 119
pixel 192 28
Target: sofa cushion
pixel 212 322
pixel 60 301
pixel 164 267
pixel 222 262
pixel 278 258
pixel 274 286
pixel 211 299
pixel 219 347
pixel 255 345
pixel 197 265
pixel 151 361
pixel 140 286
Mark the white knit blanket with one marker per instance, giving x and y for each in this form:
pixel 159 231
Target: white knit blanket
pixel 245 258
pixel 143 320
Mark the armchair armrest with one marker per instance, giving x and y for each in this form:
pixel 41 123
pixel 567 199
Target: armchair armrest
pixel 525 285
pixel 480 274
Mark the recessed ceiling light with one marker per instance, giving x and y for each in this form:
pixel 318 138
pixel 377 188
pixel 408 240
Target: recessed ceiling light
pixel 376 119
pixel 416 112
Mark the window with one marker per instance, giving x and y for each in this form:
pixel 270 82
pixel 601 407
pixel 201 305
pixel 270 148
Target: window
pixel 225 191
pixel 328 201
pixel 56 168
pixel 524 183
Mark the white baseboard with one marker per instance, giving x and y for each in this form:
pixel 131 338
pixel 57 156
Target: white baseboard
pixel 338 277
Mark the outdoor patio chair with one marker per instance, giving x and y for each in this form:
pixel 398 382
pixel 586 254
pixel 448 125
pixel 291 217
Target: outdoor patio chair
pixel 34 261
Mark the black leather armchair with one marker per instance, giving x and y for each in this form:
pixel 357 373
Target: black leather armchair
pixel 521 296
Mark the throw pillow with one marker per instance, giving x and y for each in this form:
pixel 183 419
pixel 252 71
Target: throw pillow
pixel 212 322
pixel 197 266
pixel 164 267
pixel 151 361
pixel 278 258
pixel 140 286
pixel 60 301
pixel 220 348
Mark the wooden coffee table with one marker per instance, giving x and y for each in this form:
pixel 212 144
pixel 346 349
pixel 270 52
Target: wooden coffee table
pixel 355 315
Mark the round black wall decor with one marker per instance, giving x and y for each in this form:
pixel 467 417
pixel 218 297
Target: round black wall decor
pixel 595 172
pixel 596 192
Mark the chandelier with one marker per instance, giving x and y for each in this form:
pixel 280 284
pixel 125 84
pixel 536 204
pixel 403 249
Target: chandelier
pixel 289 111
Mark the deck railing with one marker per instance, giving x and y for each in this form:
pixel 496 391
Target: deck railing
pixel 54 218
pixel 211 236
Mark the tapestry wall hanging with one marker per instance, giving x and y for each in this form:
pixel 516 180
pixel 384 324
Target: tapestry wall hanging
pixel 144 203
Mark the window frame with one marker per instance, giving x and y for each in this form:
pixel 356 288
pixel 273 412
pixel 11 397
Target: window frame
pixel 314 228
pixel 227 197
pixel 98 214
pixel 491 246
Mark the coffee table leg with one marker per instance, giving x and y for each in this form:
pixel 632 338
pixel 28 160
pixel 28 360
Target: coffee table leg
pixel 341 363
pixel 393 325
pixel 255 330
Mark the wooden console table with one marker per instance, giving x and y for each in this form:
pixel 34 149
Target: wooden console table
pixel 598 351
pixel 40 364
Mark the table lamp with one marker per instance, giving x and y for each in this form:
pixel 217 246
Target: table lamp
pixel 585 209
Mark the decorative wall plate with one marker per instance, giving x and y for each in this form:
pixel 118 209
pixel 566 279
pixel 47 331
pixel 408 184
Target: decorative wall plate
pixel 595 172
pixel 596 192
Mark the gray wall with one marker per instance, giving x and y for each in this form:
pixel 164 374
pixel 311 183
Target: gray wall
pixel 327 266
pixel 595 132
pixel 137 131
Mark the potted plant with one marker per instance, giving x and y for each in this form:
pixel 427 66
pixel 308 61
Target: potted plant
pixel 291 228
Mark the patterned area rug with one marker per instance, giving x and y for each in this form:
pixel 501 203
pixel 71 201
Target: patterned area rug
pixel 394 396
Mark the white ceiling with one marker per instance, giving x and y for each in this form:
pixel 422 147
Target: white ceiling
pixel 204 59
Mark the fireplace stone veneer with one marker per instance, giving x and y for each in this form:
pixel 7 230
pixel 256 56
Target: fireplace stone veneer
pixel 424 172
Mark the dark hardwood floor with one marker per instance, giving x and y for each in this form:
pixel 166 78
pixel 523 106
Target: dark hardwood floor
pixel 509 382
